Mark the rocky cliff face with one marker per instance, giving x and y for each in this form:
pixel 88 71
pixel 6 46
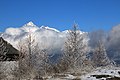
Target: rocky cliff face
pixel 7 51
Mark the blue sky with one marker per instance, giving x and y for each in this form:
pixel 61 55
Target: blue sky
pixel 60 14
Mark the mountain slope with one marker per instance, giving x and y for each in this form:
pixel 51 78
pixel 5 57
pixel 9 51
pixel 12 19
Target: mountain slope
pixel 7 51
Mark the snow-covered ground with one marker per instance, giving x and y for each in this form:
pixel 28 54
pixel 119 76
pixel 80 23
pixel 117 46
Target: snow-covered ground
pixel 102 74
pixel 97 74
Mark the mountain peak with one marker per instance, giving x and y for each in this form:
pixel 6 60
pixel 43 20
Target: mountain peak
pixel 30 24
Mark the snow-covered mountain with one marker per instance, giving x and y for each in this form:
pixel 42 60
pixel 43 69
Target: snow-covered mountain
pixel 44 35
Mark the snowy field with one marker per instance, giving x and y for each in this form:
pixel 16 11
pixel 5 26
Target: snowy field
pixel 112 73
pixel 103 74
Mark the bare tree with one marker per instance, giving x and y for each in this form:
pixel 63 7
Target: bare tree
pixel 100 57
pixel 25 67
pixel 75 48
pixel 21 69
pixel 33 61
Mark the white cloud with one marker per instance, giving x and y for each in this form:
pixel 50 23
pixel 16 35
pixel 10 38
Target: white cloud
pixel 13 31
pixel 46 37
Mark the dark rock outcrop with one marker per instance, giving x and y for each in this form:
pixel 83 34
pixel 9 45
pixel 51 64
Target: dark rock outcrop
pixel 7 51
